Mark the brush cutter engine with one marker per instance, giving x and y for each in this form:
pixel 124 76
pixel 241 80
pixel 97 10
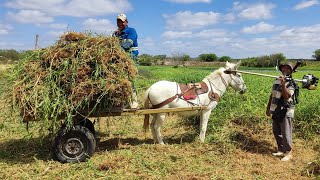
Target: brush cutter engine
pixel 309 81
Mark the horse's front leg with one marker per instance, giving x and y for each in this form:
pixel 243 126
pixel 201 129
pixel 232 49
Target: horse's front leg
pixel 203 124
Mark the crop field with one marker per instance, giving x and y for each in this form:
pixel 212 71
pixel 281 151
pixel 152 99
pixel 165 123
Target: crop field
pixel 238 144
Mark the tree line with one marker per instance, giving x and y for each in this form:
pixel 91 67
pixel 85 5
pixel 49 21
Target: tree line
pixel 9 55
pixel 260 61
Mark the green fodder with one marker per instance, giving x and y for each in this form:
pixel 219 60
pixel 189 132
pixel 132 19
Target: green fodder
pixel 79 73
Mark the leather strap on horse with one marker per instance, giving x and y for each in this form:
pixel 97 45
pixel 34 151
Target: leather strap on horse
pixel 212 95
pixel 169 100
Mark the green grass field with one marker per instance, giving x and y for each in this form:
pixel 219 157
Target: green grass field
pixel 238 145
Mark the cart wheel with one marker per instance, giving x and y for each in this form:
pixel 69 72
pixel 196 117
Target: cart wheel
pixel 73 145
pixel 88 124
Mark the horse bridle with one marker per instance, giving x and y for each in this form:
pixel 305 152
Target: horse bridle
pixel 224 82
pixel 235 80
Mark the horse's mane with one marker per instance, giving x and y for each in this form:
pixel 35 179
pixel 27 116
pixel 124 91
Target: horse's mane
pixel 216 73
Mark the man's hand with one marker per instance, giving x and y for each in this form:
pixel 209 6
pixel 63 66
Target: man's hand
pixel 282 80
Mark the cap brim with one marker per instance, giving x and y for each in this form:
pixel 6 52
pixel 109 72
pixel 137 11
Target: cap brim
pixel 122 19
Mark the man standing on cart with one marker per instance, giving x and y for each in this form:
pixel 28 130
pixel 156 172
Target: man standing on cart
pixel 129 42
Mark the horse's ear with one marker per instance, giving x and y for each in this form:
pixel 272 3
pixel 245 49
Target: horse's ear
pixel 227 64
pixel 237 65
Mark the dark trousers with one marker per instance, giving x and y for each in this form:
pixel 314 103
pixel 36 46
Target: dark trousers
pixel 282 131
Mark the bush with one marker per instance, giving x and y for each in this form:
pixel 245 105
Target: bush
pixel 185 57
pixel 264 61
pixel 145 60
pixel 9 54
pixel 250 62
pixel 208 57
pixel 316 55
pixel 224 58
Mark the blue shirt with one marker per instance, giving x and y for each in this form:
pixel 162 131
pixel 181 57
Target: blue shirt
pixel 129 40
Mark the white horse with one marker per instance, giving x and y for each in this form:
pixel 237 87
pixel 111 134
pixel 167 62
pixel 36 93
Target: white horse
pixel 217 82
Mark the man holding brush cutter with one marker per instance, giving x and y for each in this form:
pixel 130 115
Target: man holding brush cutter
pixel 281 107
pixel 281 103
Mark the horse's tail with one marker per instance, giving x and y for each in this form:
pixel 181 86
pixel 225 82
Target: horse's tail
pixel 146 106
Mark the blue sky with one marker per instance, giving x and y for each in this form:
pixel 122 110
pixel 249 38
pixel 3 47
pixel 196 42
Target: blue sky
pixel 238 29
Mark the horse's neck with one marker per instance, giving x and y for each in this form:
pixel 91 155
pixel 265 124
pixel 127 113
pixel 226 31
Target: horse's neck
pixel 218 83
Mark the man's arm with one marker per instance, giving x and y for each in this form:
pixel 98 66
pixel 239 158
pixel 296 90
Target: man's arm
pixel 268 106
pixel 132 34
pixel 285 93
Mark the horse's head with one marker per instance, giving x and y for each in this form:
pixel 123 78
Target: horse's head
pixel 237 82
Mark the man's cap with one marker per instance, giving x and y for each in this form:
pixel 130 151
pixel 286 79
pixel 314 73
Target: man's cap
pixel 286 64
pixel 122 17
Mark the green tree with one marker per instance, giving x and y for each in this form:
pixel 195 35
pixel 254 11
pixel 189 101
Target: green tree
pixel 145 60
pixel 159 59
pixel 208 57
pixel 185 57
pixel 279 57
pixel 9 54
pixel 316 55
pixel 265 61
pixel 224 58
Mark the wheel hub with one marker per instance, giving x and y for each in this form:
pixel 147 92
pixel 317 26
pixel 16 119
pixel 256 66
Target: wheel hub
pixel 74 146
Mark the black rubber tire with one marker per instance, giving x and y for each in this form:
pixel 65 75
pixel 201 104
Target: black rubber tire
pixel 74 145
pixel 88 124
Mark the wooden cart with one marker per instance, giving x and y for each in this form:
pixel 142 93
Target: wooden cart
pixel 78 143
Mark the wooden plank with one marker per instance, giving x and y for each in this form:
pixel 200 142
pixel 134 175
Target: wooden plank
pixel 164 110
pixel 130 112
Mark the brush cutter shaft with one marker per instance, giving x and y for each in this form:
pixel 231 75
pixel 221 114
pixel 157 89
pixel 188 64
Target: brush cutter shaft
pixel 265 75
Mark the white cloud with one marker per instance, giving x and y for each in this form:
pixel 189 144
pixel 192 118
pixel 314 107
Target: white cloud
pixel 99 25
pixel 204 34
pixel 229 18
pixel 255 11
pixel 148 45
pixel 302 35
pixel 58 26
pixel 30 16
pixel 212 33
pixel 189 1
pixel 11 45
pixel 306 4
pixel 294 42
pixel 75 8
pixel 5 29
pixel 53 35
pixel 188 20
pixel 261 27
pixel 176 34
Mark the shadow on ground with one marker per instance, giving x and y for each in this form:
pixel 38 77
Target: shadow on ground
pixel 25 150
pixel 249 143
pixel 28 150
pixel 122 143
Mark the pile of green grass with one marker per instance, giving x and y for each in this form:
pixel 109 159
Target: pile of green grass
pixel 80 72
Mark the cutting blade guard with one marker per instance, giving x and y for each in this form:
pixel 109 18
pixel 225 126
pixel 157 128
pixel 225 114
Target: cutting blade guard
pixel 309 81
